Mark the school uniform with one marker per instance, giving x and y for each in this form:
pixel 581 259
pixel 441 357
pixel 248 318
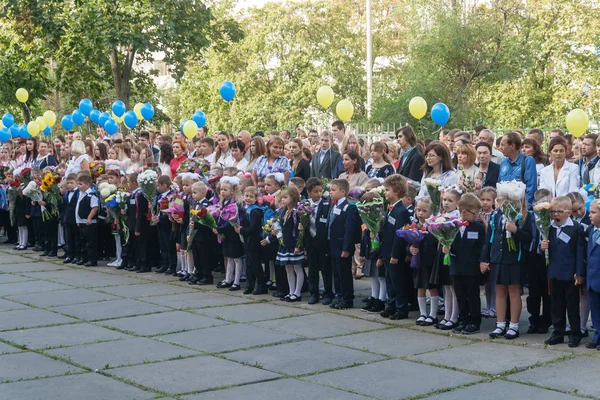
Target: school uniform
pixel 289 230
pixel 593 277
pixel 204 246
pixel 233 250
pixel 427 255
pixel 105 243
pixel 69 201
pixel 317 249
pixel 86 202
pixel 398 276
pixel 465 272
pixel 343 233
pixel 540 318
pixel 130 250
pixel 567 254
pixel 142 228
pixel 168 249
pixel 251 231
pixel 37 233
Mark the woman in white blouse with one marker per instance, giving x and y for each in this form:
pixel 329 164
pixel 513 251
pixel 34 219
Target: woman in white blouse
pixel 560 177
pixel 438 165
pixel 80 161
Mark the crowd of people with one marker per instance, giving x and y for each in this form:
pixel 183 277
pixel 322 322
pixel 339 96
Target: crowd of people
pixel 254 188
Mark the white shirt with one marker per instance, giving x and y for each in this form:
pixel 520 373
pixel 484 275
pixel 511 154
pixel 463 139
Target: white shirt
pixel 93 203
pixel 568 222
pixel 497 156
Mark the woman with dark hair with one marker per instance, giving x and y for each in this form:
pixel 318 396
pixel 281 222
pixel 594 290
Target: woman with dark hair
pixel 223 156
pixel 257 149
pixel 412 160
pixel 438 165
pixel 166 155
pixel 101 152
pixel 381 164
pixel 300 167
pixel 354 173
pixel 31 150
pixel 560 177
pixel 272 161
pixel 531 147
pixel 44 159
pixel 237 148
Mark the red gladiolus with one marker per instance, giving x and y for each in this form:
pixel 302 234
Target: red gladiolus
pixel 203 213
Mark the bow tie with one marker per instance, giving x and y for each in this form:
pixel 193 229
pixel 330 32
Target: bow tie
pixel 390 207
pixel 334 203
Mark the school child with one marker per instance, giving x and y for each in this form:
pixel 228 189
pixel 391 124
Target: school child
pixel 409 200
pixel 142 232
pixel 168 252
pixel 507 265
pixel 186 272
pixel 114 178
pixel 105 241
pixel 11 229
pixel 86 211
pixel 593 271
pixel 487 195
pixel 300 185
pixel 37 234
pixel 540 318
pixel 427 250
pixel 566 270
pixel 275 275
pixel 233 248
pixel 251 230
pixel 23 214
pixel 288 254
pixel 131 253
pixel 69 200
pixel 204 243
pixel 464 265
pixel 50 239
pixel 344 232
pixel 440 273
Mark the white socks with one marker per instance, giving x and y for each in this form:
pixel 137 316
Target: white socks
pixel 584 309
pixel 422 305
pixel 295 276
pixel 435 301
pixel 375 288
pixel 234 271
pixel 513 326
pixel 449 301
pixel 382 289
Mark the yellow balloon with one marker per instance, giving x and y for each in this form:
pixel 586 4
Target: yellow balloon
pixel 22 95
pixel 417 107
pixel 577 122
pixel 50 118
pixel 137 109
pixel 41 123
pixel 189 129
pixel 1 125
pixel 344 110
pixel 325 96
pixel 33 128
pixel 118 119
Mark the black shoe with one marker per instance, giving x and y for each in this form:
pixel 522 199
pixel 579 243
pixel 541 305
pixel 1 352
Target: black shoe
pixel 171 272
pixel 542 329
pixel 278 295
pixel 388 312
pixel 398 315
pixel 64 256
pixel 554 339
pixel 470 329
pixel 446 327
pixel 44 254
pixel 261 290
pixel 67 260
pixel 76 261
pixel 511 333
pixel 38 248
pixel 234 288
pixel 224 284
pixel 133 268
pixel 313 300
pixel 585 334
pixel 378 306
pixel 574 340
pixel 91 264
pixel 51 255
pixel 143 271
pixel 161 270
pixel 205 281
pixel 120 267
pixel 293 298
pixel 459 327
pixel 81 262
pixel 498 332
pixel 342 305
pixel 327 301
pixel 184 277
pixel 193 280
pixel 334 302
pixel 532 329
pixel 429 321
pixel 369 303
pixel 591 345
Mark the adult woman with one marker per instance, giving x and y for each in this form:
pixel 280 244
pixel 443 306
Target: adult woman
pixel 532 148
pixel 89 148
pixel 350 142
pixel 300 166
pixel 380 165
pixel 438 165
pixel 116 158
pixel 31 150
pixel 257 149
pixel 135 160
pixel 489 169
pixel 44 159
pixel 354 173
pixel 81 161
pixel 166 155
pixel 273 161
pixel 237 153
pixel 223 156
pixel 469 175
pixel 101 152
pixel 179 149
pixel 392 152
pixel 560 177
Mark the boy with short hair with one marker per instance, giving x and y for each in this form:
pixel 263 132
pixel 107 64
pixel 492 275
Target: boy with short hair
pixel 204 243
pixel 251 230
pixel 69 200
pixel 566 270
pixel 593 270
pixel 409 200
pixel 168 249
pixel 86 212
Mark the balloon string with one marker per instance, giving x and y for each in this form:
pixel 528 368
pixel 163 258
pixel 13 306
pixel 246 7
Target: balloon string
pixel 28 111
pixel 437 131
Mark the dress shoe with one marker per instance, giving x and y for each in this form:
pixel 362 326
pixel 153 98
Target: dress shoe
pixel 398 315
pixel 76 261
pixel 170 272
pixel 143 271
pixel 184 277
pixel 132 268
pixel 377 307
pixel 248 291
pixel 278 295
pixel 67 260
pixel 234 288
pixel 44 254
pixel 388 312
pixel 585 334
pixel 555 339
pixel 51 255
pixel 260 290
pixel 368 304
pixel 511 333
pixel 326 301
pixel 205 281
pixel 470 329
pixel 81 262
pixel 591 345
pixel 342 305
pixel 120 267
pixel 91 264
pixel 38 248
pixel 459 327
pixel 574 340
pixel 224 284
pixel 161 270
pixel 313 300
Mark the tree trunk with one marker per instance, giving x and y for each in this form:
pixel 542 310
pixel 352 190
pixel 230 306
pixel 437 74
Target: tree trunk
pixel 25 113
pixel 122 73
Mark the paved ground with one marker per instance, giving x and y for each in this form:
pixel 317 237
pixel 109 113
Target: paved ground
pixel 75 333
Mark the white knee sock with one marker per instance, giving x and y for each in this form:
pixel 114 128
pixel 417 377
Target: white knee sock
pixel 375 288
pixel 435 302
pixel 237 262
pixel 189 261
pixel 299 279
pixel 118 247
pixel 422 305
pixel 455 309
pixel 229 273
pixel 382 289
pixel 182 261
pixel 448 302
pixel 291 277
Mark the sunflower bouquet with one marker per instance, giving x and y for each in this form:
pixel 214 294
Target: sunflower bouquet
pixel 97 168
pixel 51 191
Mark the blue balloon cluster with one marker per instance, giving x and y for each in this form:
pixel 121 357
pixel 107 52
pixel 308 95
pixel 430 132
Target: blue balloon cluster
pixel 4 135
pixel 110 126
pixel 85 107
pixel 67 122
pixel 78 117
pixel 118 108
pixel 227 91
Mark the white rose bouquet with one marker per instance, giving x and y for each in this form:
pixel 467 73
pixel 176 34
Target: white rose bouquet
pixel 510 199
pixel 433 188
pixel 147 183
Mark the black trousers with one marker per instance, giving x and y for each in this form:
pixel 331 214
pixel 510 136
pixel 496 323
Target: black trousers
pixel 129 251
pixel 281 279
pixel 168 249
pixel 39 231
pixel 318 260
pixel 141 250
pixel 342 278
pixel 469 302
pixel 89 238
pixel 73 239
pixel 205 258
pixel 538 292
pixel 51 235
pixel 565 300
pixel 397 277
pixel 106 244
pixel 254 272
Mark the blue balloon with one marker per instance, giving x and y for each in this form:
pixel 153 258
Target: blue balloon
pixel 78 117
pixel 4 135
pixel 86 107
pixel 94 116
pixel 118 107
pixel 440 114
pixel 227 91
pixel 14 130
pixel 111 127
pixel 67 122
pixel 105 116
pixel 183 123
pixel 23 132
pixel 130 119
pixel 47 130
pixel 199 118
pixel 8 120
pixel 147 111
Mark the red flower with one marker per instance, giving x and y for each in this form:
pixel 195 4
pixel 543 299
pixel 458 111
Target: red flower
pixel 203 213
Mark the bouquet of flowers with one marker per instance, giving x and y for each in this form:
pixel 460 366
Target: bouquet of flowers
pixel 106 189
pixel 413 234
pixel 51 191
pixel 372 214
pixel 267 200
pixel 97 168
pixel 470 183
pixel 325 183
pixel 541 211
pixel 204 217
pixel 433 188
pixel 303 210
pixel 194 165
pixel 24 172
pixel 230 213
pixel 147 183
pixel 12 193
pixel 35 194
pixel 510 198
pixel 444 228
pixel 115 203
pixel 271 225
pixel 176 207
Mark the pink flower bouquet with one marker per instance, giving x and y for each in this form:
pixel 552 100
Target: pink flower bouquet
pixel 413 234
pixel 230 213
pixel 444 228
pixel 303 210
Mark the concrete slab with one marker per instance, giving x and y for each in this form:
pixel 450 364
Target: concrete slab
pixel 62 298
pixel 28 318
pixel 109 309
pixel 163 323
pixel 252 312
pixel 29 365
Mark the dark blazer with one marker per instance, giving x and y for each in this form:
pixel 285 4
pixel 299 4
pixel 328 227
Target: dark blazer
pixel 142 222
pixel 495 249
pixel 593 261
pixel 203 233
pixel 491 177
pixel 302 170
pixel 411 167
pixel 466 249
pixel 344 228
pixel 252 228
pixel 232 244
pixel 163 219
pixel 131 212
pixel 327 167
pixel 567 259
pixel 320 240
pixel 391 245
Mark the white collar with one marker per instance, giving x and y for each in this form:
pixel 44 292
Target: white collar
pixel 316 203
pixel 568 222
pixel 340 201
pixel 394 205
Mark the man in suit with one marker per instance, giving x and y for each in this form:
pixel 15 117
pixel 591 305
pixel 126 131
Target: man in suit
pixel 489 168
pixel 324 162
pixel 412 160
pixel 593 271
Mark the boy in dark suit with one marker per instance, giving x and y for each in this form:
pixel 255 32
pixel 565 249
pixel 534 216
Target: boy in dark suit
pixel 392 253
pixel 343 233
pixel 316 244
pixel 593 271
pixel 168 249
pixel 204 243
pixel 86 212
pixel 464 265
pixel 130 251
pixel 324 162
pixel 251 230
pixel 566 270
pixel 142 233
pixel 73 252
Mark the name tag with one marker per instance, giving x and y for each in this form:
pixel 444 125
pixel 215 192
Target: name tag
pixel 323 220
pixel 337 211
pixel 473 235
pixel 132 201
pixel 392 220
pixel 564 237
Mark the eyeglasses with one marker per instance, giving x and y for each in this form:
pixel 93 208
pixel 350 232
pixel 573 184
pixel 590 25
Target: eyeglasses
pixel 431 155
pixel 560 211
pixel 478 213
